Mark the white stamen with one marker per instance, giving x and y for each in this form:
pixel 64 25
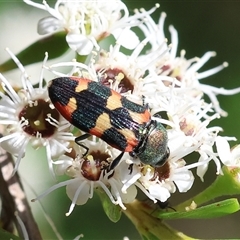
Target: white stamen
pixel 212 71
pixel 9 90
pixel 20 155
pixel 104 187
pixel 52 121
pixel 22 226
pixel 113 183
pixel 195 67
pixel 42 71
pixel 174 40
pixel 145 191
pixel 76 195
pixel 53 188
pixel 132 180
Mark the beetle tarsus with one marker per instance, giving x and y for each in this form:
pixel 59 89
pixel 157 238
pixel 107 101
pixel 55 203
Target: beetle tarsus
pixel 80 138
pixel 116 161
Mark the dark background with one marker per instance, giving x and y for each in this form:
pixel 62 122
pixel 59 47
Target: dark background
pixel 202 26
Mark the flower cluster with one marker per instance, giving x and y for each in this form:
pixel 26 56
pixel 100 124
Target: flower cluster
pixel 29 117
pixel 167 83
pixel 88 22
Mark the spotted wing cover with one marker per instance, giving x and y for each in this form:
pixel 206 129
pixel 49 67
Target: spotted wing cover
pixel 95 108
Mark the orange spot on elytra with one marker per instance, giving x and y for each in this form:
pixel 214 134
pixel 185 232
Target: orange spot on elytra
pixel 82 83
pixel 131 139
pixel 140 118
pixel 67 110
pixel 113 101
pixel 102 124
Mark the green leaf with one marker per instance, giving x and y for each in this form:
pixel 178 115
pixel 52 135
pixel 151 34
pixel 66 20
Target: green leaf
pixel 224 185
pixel 113 211
pixel 218 209
pixel 150 236
pixel 55 45
pixel 7 235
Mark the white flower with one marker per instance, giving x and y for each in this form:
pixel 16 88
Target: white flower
pixel 159 183
pixel 91 172
pixel 229 157
pixel 87 22
pixel 126 74
pixel 184 70
pixel 29 117
pixel 188 120
pixel 151 186
pixel 119 71
pixel 188 116
pixel 174 92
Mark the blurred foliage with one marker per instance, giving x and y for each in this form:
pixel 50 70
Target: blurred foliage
pixel 202 26
pixel 7 235
pixel 55 45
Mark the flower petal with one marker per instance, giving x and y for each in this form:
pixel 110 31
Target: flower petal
pixel 130 195
pixel 48 25
pixel 223 150
pixel 79 43
pixel 83 195
pixel 184 180
pixel 159 192
pixel 127 39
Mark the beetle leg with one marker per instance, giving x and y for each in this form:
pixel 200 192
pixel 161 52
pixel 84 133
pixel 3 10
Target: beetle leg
pixel 130 168
pixel 143 100
pixel 80 138
pixel 144 103
pixel 116 161
pixel 85 147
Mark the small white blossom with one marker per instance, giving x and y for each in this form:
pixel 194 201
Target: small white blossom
pixel 188 115
pixel 159 183
pixel 126 74
pixel 171 88
pixel 29 117
pixel 87 22
pixel 152 187
pixel 184 70
pixel 91 172
pixel 229 157
pixel 188 120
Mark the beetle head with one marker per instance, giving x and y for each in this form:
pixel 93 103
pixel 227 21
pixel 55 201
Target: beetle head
pixel 155 151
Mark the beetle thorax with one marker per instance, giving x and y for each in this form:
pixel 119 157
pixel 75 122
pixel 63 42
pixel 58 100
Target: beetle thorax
pixel 153 149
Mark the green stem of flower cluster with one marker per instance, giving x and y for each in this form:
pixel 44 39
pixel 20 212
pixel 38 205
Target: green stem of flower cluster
pixel 224 185
pixel 149 226
pixel 81 58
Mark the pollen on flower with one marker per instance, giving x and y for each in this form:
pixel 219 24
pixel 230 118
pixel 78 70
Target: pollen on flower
pixel 36 116
pixel 116 79
pixel 29 118
pixel 188 129
pixel 163 172
pixel 159 173
pixel 91 172
pixel 92 166
pixel 87 22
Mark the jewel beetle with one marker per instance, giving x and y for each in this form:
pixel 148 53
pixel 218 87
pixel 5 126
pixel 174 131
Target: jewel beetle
pixel 98 110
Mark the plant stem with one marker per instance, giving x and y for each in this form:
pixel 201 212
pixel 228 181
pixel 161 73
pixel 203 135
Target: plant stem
pixel 149 226
pixel 14 200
